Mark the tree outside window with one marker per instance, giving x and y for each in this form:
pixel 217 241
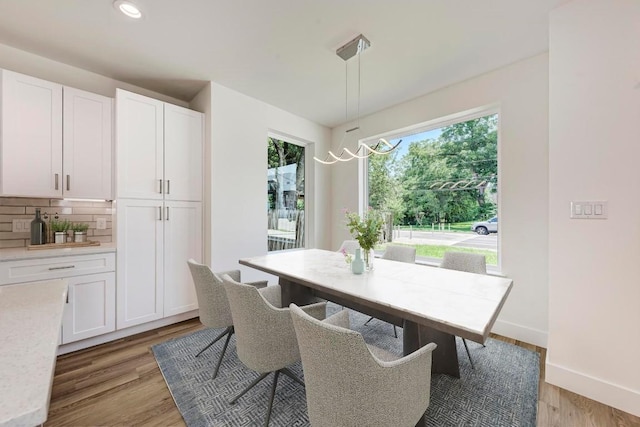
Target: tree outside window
pixel 437 184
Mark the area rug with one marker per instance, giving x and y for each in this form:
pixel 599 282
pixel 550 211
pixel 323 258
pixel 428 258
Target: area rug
pixel 502 390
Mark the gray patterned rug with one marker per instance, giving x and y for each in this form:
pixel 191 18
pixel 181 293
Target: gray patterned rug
pixel 502 390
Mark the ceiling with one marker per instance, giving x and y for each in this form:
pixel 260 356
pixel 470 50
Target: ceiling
pixel 283 51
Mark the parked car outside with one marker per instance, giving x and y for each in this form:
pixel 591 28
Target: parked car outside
pixel 486 227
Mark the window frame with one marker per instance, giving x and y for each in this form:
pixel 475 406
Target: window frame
pixel 309 194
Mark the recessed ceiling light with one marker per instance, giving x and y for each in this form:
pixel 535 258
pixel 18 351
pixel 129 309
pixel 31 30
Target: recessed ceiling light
pixel 128 8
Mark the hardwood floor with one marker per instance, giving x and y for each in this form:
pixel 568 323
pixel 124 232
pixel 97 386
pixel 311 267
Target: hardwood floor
pixel 119 384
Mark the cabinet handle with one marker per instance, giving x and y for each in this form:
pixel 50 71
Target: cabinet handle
pixel 161 186
pixel 168 186
pixel 167 213
pixel 68 290
pixel 56 181
pixel 62 268
pixel 160 213
pixel 68 182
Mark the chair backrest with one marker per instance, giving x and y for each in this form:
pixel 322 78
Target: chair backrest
pixel 265 339
pixel 347 386
pixel 349 246
pixel 462 261
pixel 212 299
pixel 400 253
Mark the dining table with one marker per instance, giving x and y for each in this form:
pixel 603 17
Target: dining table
pixel 431 304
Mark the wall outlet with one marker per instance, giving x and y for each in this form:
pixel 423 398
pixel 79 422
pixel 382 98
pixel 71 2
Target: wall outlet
pixel 21 226
pixel 101 223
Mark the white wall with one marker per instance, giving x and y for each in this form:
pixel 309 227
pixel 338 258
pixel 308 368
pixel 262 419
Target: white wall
pixel 202 103
pixel 521 93
pixel 238 162
pixel 43 68
pixel 594 147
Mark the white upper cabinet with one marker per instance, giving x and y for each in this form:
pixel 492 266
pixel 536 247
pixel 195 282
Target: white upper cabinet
pixel 31 137
pixel 159 149
pixel 183 142
pixel 139 146
pixel 56 141
pixel 87 137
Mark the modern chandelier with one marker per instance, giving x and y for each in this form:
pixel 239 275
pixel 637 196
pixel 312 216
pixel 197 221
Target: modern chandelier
pixel 382 147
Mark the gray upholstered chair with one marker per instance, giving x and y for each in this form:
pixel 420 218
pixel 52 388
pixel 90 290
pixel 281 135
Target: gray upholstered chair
pixel 401 254
pixel 265 339
pixel 348 384
pixel 349 246
pixel 471 263
pixel 212 302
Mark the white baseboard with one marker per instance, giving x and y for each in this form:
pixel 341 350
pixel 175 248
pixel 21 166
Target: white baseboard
pixel 101 339
pixel 602 391
pixel 520 333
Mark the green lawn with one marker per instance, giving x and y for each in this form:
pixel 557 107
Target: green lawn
pixel 458 226
pixel 433 251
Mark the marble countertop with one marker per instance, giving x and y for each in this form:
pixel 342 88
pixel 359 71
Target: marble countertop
pixel 14 254
pixel 456 302
pixel 30 319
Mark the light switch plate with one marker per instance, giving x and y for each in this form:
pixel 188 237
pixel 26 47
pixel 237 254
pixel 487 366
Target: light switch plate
pixel 589 209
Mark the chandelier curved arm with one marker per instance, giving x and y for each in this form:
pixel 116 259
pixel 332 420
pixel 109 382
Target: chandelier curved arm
pixel 383 141
pixel 340 158
pixel 324 162
pixel 356 155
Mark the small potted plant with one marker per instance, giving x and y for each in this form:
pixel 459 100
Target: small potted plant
pixel 59 229
pixel 366 231
pixel 80 232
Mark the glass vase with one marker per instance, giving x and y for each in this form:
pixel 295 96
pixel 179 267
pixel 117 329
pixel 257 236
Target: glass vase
pixel 368 259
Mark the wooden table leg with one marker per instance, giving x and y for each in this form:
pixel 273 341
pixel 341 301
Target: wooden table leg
pixel 445 357
pixel 294 293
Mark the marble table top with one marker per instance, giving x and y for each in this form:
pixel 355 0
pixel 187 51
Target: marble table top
pixel 460 303
pixel 30 319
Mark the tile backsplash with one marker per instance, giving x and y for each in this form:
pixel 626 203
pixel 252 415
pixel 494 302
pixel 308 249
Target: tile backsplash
pixel 73 210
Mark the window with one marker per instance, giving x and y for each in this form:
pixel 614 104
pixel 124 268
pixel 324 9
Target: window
pixel 438 187
pixel 285 195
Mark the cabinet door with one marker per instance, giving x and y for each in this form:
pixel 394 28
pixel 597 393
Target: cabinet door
pixel 183 150
pixel 91 307
pixel 31 137
pixel 88 145
pixel 139 146
pixel 182 240
pixel 139 261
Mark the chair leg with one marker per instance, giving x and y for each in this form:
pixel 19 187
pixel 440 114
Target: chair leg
pixel 225 332
pixel 273 393
pixel 367 322
pixel 249 387
pixel 224 349
pixel 468 354
pixel 291 375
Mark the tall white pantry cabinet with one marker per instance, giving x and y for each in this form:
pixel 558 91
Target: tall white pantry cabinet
pixel 159 155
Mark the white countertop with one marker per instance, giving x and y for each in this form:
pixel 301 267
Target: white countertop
pixel 456 302
pixel 30 319
pixel 13 254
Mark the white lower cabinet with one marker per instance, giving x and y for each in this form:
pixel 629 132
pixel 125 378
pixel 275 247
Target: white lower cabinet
pixel 91 299
pixel 155 240
pixel 90 308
